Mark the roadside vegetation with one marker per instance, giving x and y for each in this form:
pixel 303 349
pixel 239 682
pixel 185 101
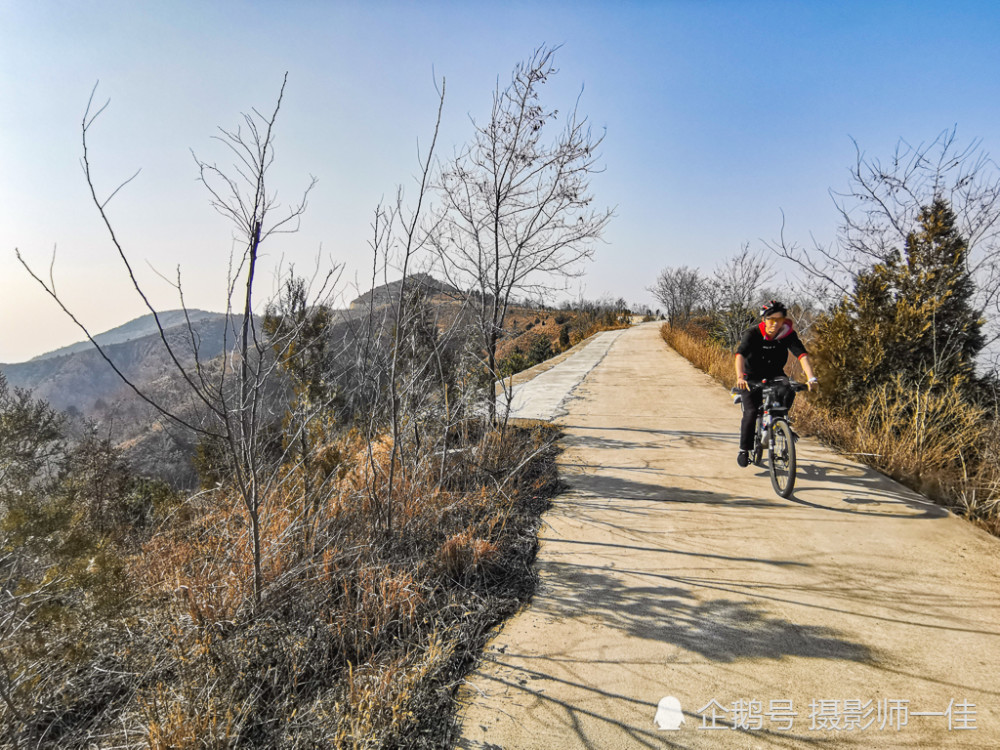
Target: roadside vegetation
pixel 900 323
pixel 365 514
pixel 129 615
pixel 538 334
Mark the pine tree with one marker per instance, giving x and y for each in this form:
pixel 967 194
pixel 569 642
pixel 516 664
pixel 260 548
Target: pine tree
pixel 937 287
pixel 912 317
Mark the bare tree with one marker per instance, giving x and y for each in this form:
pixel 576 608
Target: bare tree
pixel 883 205
pixel 735 291
pixel 680 290
pixel 400 236
pixel 516 215
pixel 236 411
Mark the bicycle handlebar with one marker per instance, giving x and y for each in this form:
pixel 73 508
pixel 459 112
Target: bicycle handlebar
pixel 794 384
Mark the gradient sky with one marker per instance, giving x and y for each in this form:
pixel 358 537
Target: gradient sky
pixel 719 115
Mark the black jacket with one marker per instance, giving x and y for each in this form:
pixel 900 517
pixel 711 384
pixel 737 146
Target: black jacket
pixel 766 358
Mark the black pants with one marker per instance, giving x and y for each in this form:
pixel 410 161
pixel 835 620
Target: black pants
pixel 751 401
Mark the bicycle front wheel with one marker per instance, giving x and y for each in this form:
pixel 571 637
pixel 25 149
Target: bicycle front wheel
pixel 781 452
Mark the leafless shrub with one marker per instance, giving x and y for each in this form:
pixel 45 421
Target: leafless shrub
pixel 238 411
pixel 735 293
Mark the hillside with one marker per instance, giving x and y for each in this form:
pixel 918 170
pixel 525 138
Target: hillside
pixel 134 329
pixel 77 378
pixel 388 293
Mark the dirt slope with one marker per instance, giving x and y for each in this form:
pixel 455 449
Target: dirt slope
pixel 669 571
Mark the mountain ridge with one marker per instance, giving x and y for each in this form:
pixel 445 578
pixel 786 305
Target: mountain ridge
pixel 78 377
pixel 144 325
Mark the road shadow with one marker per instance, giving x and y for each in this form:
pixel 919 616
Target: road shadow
pixel 588 727
pixel 866 488
pixel 823 484
pixel 629 548
pixel 667 610
pixel 618 488
pixel 652 439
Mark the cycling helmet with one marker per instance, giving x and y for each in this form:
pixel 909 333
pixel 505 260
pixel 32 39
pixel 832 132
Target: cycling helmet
pixel 771 307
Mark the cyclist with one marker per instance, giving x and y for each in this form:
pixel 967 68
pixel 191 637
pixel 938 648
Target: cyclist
pixel 761 355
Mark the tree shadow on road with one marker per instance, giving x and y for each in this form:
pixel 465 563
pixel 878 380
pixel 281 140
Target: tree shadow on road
pixel 834 486
pixel 626 508
pixel 616 488
pixel 721 629
pixel 653 438
pixel 619 549
pixel 866 487
pixel 588 726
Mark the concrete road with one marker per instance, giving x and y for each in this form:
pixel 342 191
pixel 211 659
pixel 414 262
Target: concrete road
pixel 855 614
pixel 544 396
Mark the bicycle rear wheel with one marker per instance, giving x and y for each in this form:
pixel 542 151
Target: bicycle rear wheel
pixel 781 452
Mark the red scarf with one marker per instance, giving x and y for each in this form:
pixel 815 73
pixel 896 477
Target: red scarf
pixel 785 329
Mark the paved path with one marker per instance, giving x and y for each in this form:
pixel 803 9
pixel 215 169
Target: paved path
pixel 545 395
pixel 666 570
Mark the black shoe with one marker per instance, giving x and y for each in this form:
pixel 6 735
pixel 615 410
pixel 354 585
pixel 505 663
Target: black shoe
pixel 743 458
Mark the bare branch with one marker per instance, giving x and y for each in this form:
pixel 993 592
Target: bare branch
pixel 516 211
pixel 100 350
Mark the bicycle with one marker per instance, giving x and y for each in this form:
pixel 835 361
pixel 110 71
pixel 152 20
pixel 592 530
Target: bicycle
pixel 775 431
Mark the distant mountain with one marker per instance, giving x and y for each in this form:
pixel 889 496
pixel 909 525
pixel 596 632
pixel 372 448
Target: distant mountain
pixel 388 293
pixel 135 329
pixel 77 378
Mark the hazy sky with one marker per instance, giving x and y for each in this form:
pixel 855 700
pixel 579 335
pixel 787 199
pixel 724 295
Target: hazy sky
pixel 719 115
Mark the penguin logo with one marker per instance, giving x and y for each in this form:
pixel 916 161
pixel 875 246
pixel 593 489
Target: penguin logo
pixel 668 714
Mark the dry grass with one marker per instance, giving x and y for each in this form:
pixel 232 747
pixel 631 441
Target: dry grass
pixel 526 325
pixel 692 345
pixel 934 442
pixel 363 634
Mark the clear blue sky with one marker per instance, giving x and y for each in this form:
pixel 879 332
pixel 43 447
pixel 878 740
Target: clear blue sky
pixel 719 114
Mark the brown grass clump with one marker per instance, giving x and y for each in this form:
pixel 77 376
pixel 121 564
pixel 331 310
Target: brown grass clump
pixel 363 632
pixel 363 635
pixel 931 440
pixel 464 551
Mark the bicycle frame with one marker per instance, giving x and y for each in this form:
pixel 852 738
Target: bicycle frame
pixel 774 431
pixel 770 412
